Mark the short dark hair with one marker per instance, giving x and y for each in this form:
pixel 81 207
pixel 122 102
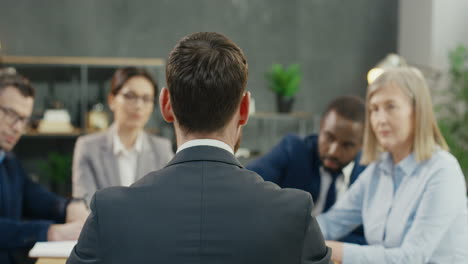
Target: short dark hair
pixel 10 78
pixel 206 75
pixel 121 76
pixel 350 107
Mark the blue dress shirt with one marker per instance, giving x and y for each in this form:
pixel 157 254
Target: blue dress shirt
pixel 2 156
pixel 411 212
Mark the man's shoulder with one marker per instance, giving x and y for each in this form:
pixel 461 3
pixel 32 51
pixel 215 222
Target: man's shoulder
pixel 268 188
pixel 292 138
pixel 243 179
pixel 152 179
pixel 300 150
pixel 114 193
pixel 295 141
pixel 284 201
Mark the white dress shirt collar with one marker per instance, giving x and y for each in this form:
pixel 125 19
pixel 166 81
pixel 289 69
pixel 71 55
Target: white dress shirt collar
pixel 341 185
pixel 119 148
pixel 206 142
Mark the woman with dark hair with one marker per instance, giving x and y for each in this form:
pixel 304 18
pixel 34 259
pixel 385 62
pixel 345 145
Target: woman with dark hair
pixel 124 153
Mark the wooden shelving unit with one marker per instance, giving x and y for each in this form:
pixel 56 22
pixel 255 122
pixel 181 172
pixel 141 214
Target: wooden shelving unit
pixel 85 65
pixel 78 76
pixel 34 134
pixel 90 61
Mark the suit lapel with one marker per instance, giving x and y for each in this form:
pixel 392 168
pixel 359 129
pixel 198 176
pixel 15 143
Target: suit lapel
pixel 146 158
pixel 314 178
pixel 11 187
pixel 4 190
pixel 109 161
pixel 357 169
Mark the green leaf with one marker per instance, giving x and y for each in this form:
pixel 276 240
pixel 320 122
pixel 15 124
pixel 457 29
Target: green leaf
pixel 284 81
pixel 453 121
pixel 57 167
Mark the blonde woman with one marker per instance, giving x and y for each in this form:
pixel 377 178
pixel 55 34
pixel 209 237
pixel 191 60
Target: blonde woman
pixel 411 199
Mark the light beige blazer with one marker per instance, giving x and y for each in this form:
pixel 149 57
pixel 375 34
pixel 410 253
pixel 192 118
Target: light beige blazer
pixel 95 165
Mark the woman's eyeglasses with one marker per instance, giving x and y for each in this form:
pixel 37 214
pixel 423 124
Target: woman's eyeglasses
pixel 132 98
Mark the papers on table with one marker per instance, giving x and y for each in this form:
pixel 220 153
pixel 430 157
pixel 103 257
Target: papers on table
pixel 56 249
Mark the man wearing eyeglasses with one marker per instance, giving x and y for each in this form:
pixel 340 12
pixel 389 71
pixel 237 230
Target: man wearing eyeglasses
pixel 28 212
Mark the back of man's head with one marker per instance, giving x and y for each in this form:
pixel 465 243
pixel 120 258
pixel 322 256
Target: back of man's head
pixel 206 75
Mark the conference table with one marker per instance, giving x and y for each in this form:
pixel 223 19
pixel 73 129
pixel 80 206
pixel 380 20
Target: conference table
pixel 51 260
pixel 52 252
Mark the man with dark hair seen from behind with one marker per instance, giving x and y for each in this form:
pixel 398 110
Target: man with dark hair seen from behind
pixel 323 165
pixel 28 212
pixel 203 207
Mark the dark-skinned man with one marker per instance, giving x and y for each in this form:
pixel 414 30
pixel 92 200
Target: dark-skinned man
pixel 324 165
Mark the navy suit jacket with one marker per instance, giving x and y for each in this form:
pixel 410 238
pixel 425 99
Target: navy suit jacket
pixel 295 163
pixel 21 199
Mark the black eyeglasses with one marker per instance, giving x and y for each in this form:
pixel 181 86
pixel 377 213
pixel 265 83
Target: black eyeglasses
pixel 12 117
pixel 132 98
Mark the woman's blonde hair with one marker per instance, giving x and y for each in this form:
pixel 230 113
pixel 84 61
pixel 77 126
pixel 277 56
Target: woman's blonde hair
pixel 427 135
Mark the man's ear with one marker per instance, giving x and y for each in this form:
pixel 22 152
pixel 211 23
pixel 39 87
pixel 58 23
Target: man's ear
pixel 244 109
pixel 165 105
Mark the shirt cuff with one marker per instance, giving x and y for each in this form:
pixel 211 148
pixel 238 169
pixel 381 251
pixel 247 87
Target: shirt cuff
pixel 60 210
pixel 322 226
pixel 350 253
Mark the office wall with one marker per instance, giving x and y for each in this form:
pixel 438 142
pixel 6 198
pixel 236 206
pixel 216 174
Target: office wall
pixel 335 41
pixel 450 29
pixel 415 31
pixel 429 29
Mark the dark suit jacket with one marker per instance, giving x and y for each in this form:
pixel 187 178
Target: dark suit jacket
pixel 295 163
pixel 203 207
pixel 22 199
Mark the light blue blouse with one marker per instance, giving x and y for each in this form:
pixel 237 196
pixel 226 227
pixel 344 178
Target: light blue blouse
pixel 412 212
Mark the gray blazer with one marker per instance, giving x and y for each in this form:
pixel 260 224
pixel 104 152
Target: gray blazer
pixel 203 207
pixel 95 165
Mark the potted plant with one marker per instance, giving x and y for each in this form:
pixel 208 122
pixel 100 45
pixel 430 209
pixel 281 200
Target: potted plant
pixel 284 82
pixel 57 168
